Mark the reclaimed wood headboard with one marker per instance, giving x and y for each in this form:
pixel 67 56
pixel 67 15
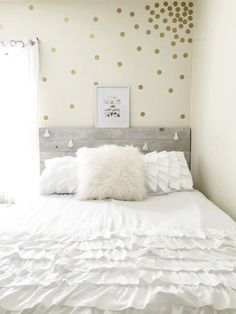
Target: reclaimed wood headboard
pixel 159 139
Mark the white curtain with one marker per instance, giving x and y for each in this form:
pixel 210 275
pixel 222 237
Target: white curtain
pixel 19 165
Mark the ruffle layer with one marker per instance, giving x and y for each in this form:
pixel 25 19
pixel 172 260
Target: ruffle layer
pixel 132 273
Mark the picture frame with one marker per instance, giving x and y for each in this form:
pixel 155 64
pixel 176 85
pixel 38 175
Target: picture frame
pixel 112 104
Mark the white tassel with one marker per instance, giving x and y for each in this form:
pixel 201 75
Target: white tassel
pixel 176 137
pixel 70 143
pixel 46 133
pixel 145 147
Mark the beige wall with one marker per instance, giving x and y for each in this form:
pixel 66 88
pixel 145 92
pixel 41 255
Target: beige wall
pixel 70 39
pixel 214 102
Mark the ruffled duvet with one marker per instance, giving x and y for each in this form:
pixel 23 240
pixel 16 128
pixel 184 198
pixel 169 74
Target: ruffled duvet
pixel 164 255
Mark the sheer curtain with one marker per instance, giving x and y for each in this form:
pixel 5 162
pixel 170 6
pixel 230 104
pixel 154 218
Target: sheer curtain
pixel 19 166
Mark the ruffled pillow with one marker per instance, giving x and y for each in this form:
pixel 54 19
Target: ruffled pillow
pixel 167 172
pixel 59 176
pixel 112 172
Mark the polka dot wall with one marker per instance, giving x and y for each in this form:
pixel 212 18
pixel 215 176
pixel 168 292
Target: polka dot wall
pixel 144 44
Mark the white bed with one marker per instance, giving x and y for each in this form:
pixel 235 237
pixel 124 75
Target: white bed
pixel 168 254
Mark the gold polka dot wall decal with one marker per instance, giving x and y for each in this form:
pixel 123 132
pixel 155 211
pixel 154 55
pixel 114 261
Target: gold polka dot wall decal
pixel 152 12
pixel 176 36
pixel 165 3
pixel 182 40
pixel 44 79
pixel 165 20
pixel 191 25
pixel 139 48
pixel 181 77
pixel 168 28
pixel 190 18
pixel 156 26
pixel 182 116
pixel 95 83
pixel 159 72
pixel 173 43
pixel 177 15
pixel 140 87
pixel 72 106
pixel 180 19
pixel 190 40
pixel 177 9
pixel 170 90
pixel 119 10
pixel 157 51
pixel 31 7
pixel 150 20
pixel 148 32
pixel 136 26
pixel 122 34
pixel 175 56
pixel 95 19
pixel 119 64
pixel 162 35
pixel 185 21
pixel 169 8
pixel 96 57
pixel 66 19
pixel 190 12
pixel 175 3
pixel 92 36
pixel 171 14
pixel 188 31
pixel 156 5
pixel 157 16
pixel 142 114
pixel 185 55
pixel 132 14
pixel 45 117
pixel 174 30
pixel 190 4
pixel 174 20
pixel 53 50
pixel 185 9
pixel 72 72
pixel 181 25
pixel 162 10
pixel 147 7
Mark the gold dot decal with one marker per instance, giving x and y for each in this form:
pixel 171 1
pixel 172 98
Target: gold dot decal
pixel 119 64
pixel 66 19
pixel 72 106
pixel 171 14
pixel 162 10
pixel 182 77
pixel 173 43
pixel 31 7
pixel 96 57
pixel 183 4
pixel 136 26
pixel 139 48
pixel 169 8
pixel 162 35
pixel 53 50
pixel 152 12
pixel 188 31
pixel 156 5
pixel 148 32
pixel 191 25
pixel 168 28
pixel 157 51
pixel 150 20
pixel 140 87
pixel 157 16
pixel 44 79
pixel 185 55
pixel 159 72
pixel 119 10
pixel 72 72
pixel 156 26
pixel 182 40
pixel 165 20
pixel 165 3
pixel 175 56
pixel 147 7
pixel 176 36
pixel 45 117
pixel 142 114
pixel 174 30
pixel 95 19
pixel 175 3
pixel 190 40
pixel 190 4
pixel 122 34
pixel 170 90
pixel 182 116
pixel 132 14
pixel 95 83
pixel 92 36
pixel 190 18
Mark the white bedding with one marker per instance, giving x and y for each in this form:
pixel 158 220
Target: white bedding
pixel 174 253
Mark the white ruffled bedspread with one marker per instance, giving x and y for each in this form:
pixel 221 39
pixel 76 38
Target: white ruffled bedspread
pixel 168 254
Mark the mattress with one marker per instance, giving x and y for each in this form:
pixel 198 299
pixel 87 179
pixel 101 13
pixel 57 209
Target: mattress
pixel 168 254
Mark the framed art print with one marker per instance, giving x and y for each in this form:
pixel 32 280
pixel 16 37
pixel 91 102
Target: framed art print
pixel 112 107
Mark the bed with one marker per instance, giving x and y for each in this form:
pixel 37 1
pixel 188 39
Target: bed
pixel 173 253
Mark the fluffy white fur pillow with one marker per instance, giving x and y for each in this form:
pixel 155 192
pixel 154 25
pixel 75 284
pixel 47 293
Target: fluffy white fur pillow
pixel 111 171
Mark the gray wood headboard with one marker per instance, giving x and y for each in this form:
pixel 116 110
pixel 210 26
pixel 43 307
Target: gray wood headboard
pixel 56 145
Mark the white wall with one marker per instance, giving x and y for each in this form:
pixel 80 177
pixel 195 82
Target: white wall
pixel 64 29
pixel 213 111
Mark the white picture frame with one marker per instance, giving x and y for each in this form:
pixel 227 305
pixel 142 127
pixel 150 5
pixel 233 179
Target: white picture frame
pixel 112 106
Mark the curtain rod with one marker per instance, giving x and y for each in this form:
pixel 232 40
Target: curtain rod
pixel 14 43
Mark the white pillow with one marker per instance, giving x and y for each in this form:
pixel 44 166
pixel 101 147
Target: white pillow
pixel 111 171
pixel 59 176
pixel 167 172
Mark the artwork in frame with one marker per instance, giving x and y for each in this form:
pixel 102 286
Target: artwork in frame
pixel 112 106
